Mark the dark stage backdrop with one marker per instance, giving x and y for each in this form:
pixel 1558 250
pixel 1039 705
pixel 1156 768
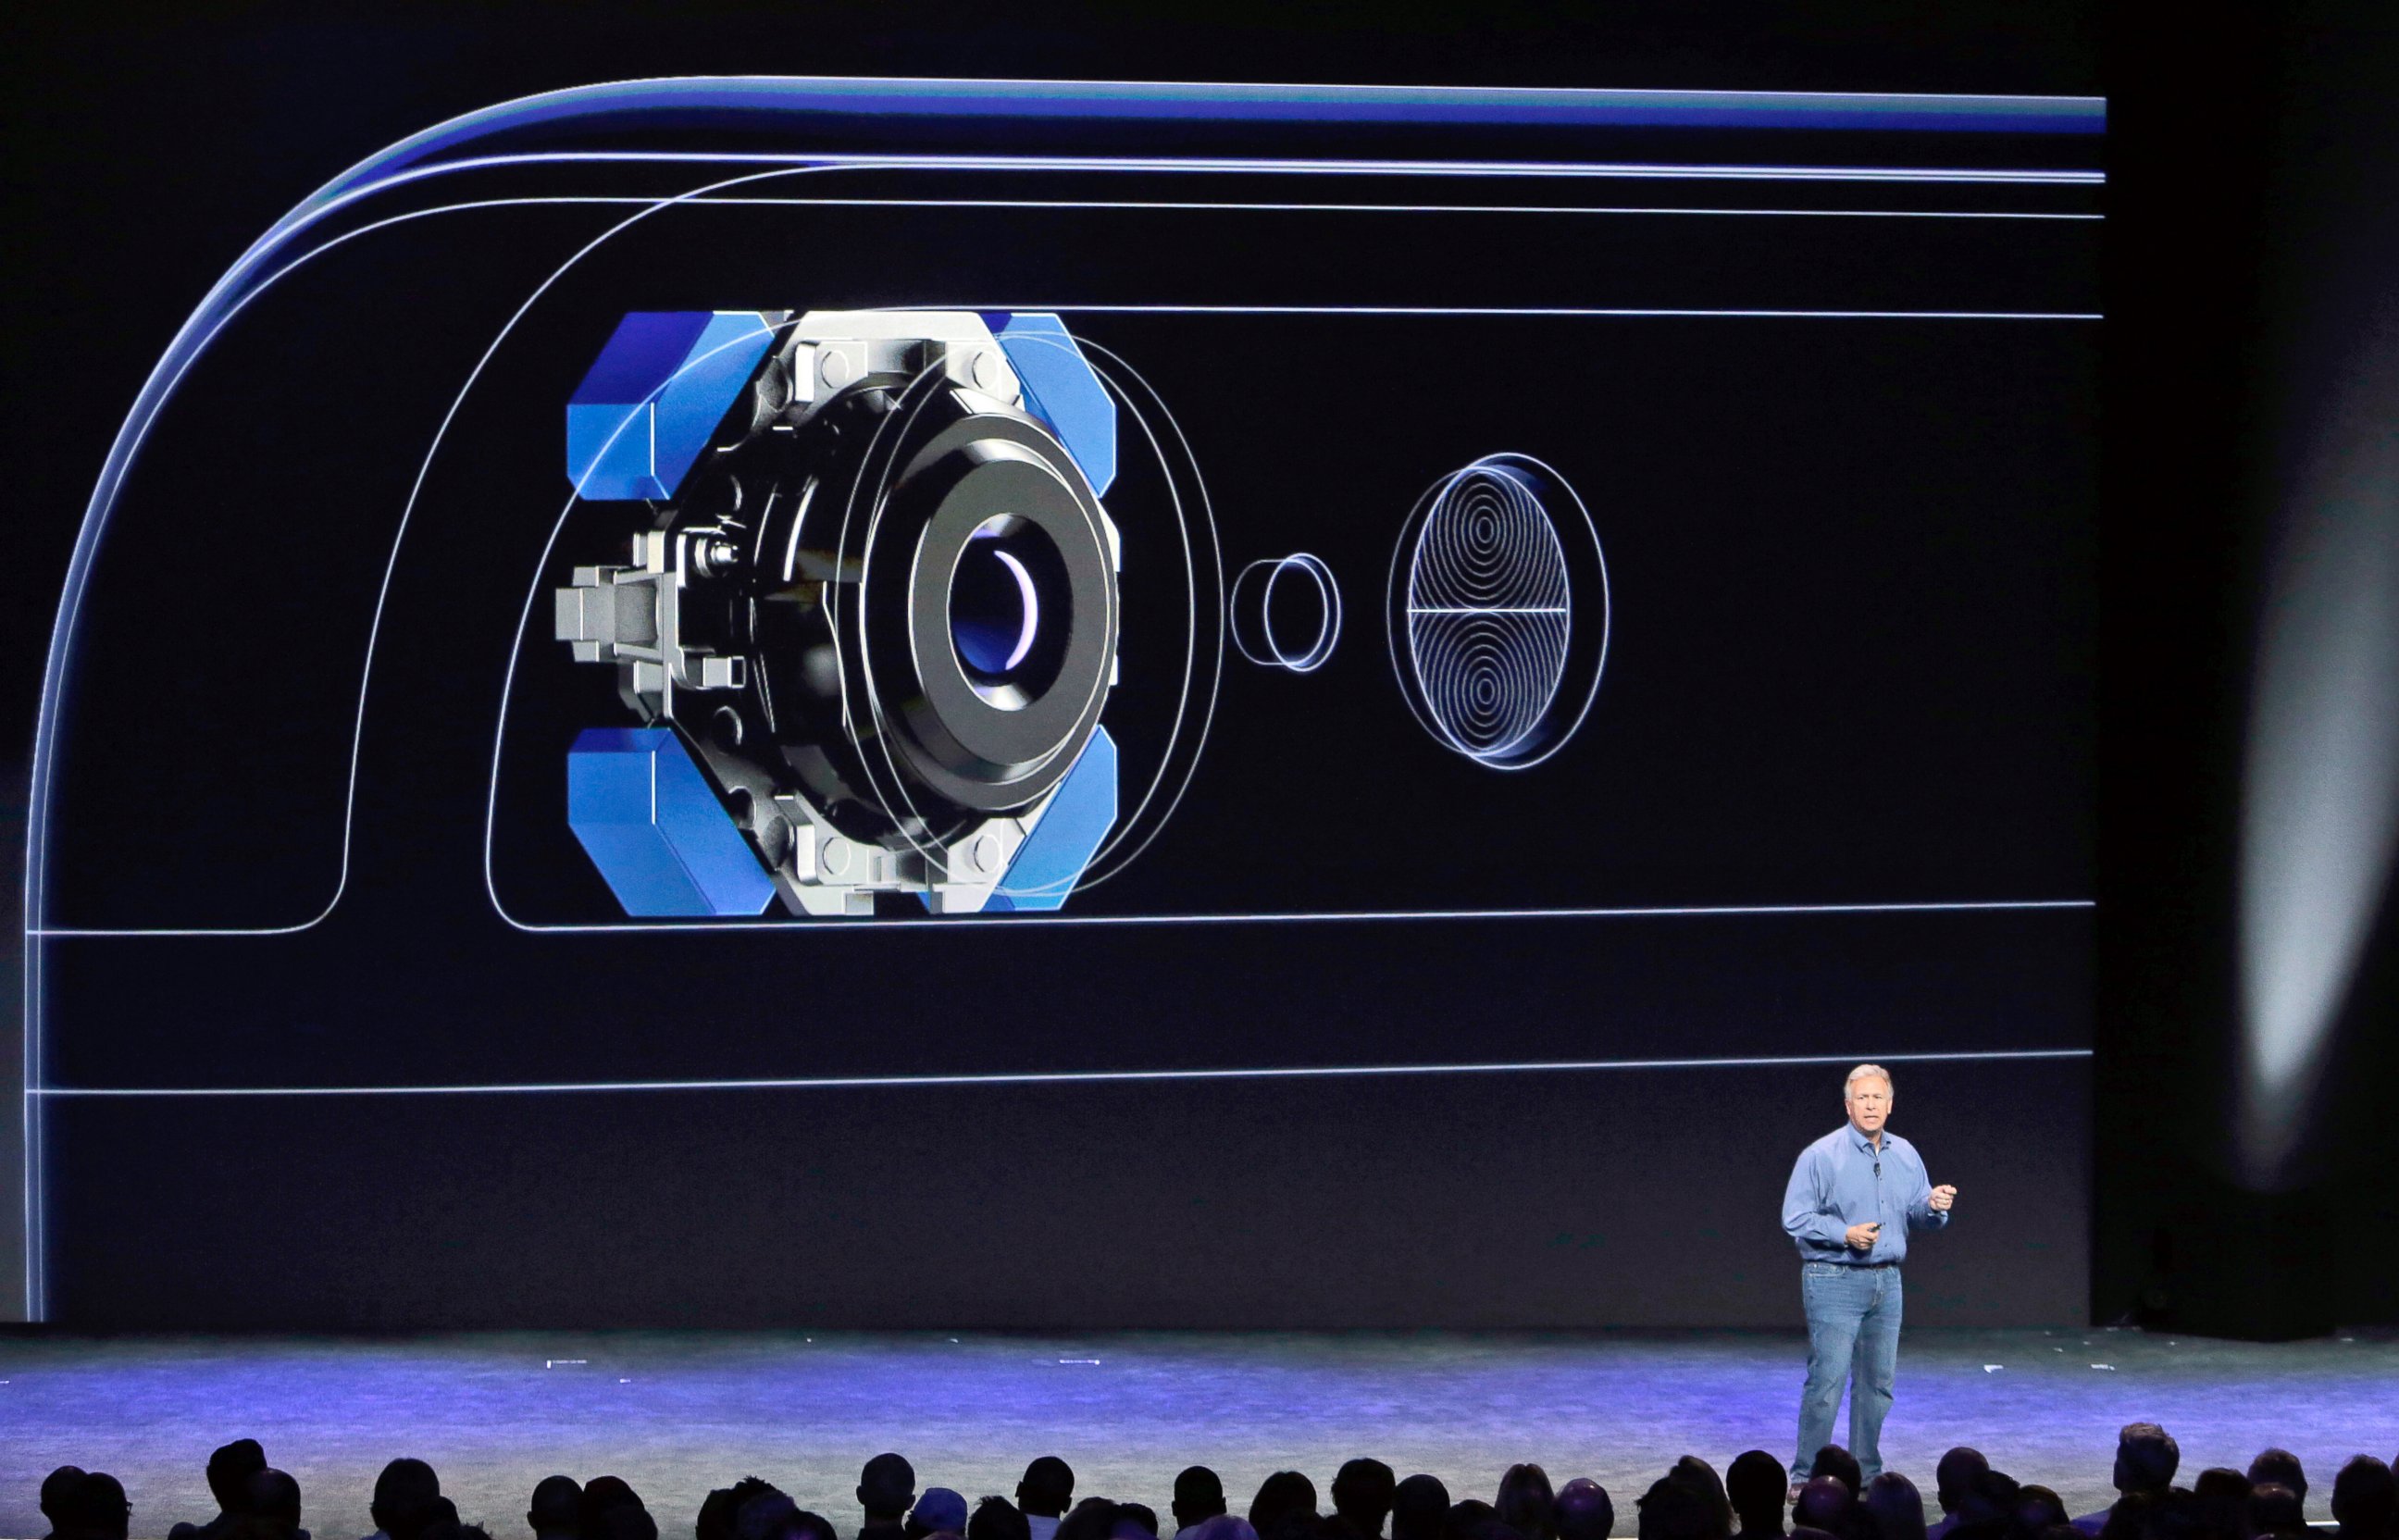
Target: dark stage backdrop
pixel 330 1031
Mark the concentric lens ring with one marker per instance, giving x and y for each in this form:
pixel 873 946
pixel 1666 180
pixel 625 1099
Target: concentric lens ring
pixel 1499 612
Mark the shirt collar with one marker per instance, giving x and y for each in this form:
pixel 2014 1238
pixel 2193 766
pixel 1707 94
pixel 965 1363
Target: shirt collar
pixel 1861 1141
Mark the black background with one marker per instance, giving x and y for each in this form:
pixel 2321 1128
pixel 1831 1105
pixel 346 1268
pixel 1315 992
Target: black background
pixel 146 152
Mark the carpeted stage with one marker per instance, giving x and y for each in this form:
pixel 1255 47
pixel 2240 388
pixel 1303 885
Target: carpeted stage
pixel 676 1415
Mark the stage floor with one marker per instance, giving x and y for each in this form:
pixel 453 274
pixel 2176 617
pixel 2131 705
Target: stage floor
pixel 677 1413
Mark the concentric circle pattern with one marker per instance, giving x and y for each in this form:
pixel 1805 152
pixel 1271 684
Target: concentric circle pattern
pixel 1489 612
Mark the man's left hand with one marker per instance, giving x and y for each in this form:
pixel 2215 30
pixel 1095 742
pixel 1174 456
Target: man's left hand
pixel 1941 1199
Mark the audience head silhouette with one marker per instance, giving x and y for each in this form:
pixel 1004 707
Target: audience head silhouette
pixel 95 1508
pixel 886 1486
pixel 1754 1485
pixel 1673 1508
pixel 1835 1461
pixel 1898 1507
pixel 2279 1467
pixel 1284 1506
pixel 998 1518
pixel 1582 1511
pixel 58 1495
pixel 1199 1496
pixel 407 1499
pixel 1954 1474
pixel 230 1469
pixel 937 1511
pixel 556 1505
pixel 1823 1504
pixel 1093 1519
pixel 2365 1498
pixel 1047 1489
pixel 1362 1497
pixel 1419 1508
pixel 2146 1458
pixel 1526 1502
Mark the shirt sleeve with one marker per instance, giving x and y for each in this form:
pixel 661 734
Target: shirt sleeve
pixel 1804 1203
pixel 1920 1212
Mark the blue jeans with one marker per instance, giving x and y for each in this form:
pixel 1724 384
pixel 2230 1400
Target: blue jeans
pixel 1852 1330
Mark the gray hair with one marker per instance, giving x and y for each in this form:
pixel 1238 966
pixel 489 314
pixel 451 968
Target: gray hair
pixel 1867 1071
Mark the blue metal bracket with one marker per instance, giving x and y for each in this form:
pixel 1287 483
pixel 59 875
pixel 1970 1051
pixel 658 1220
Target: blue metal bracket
pixel 656 392
pixel 1061 390
pixel 651 824
pixel 1080 813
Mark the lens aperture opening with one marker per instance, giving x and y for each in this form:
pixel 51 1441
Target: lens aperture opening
pixel 1009 611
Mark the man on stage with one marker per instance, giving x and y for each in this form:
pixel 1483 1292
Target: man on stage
pixel 1853 1196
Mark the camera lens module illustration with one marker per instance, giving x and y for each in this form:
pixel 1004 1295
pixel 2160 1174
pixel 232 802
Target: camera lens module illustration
pixel 863 596
pixel 1497 612
pixel 869 638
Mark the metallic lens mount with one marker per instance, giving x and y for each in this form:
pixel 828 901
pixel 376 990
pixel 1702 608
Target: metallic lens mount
pixel 880 608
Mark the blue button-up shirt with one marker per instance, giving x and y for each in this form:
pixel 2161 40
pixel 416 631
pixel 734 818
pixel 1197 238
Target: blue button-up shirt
pixel 1842 1180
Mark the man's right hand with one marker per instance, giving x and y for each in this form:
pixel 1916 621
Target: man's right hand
pixel 1862 1238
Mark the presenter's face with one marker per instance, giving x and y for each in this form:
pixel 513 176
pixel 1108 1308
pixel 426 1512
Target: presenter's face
pixel 1869 1104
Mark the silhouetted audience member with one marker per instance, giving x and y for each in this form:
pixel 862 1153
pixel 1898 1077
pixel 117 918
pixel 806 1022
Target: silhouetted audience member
pixel 2275 1509
pixel 557 1505
pixel 1835 1461
pixel 886 1486
pixel 1284 1507
pixel 2038 1510
pixel 998 1518
pixel 1362 1500
pixel 1703 1479
pixel 1468 1519
pixel 1584 1511
pixel 2280 1467
pixel 1199 1496
pixel 58 1497
pixel 1957 1468
pixel 1140 1515
pixel 1673 1508
pixel 602 1496
pixel 2222 1495
pixel 407 1501
pixel 1045 1494
pixel 94 1508
pixel 230 1469
pixel 2146 1458
pixel 1823 1504
pixel 937 1511
pixel 270 1509
pixel 807 1525
pixel 1526 1502
pixel 1756 1486
pixel 1093 1519
pixel 2365 1499
pixel 760 1510
pixel 1224 1526
pixel 1419 1509
pixel 1989 1509
pixel 1897 1507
